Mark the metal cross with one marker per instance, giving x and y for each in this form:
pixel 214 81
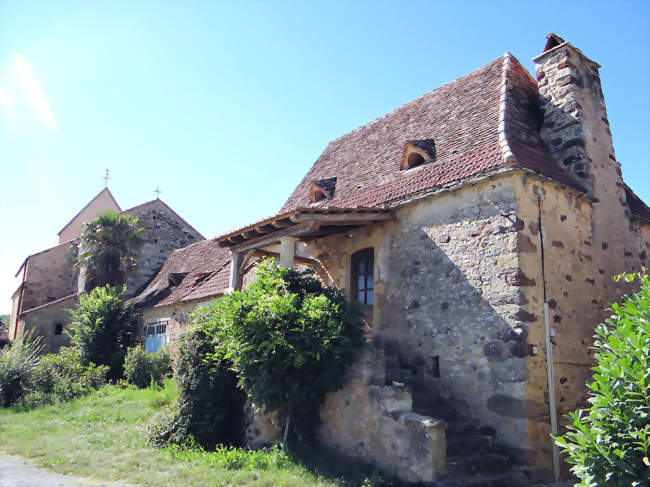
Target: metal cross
pixel 106 178
pixel 157 191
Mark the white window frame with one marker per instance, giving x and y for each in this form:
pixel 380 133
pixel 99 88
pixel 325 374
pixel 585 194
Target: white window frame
pixel 155 335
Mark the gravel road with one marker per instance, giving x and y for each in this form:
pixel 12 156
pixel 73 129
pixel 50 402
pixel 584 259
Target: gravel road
pixel 14 472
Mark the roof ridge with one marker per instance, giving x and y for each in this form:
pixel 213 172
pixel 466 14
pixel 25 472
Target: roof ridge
pixel 506 150
pixel 149 203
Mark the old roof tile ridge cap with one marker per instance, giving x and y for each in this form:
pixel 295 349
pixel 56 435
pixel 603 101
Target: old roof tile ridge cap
pixel 506 150
pixel 49 303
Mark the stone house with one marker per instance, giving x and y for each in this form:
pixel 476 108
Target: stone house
pixel 480 225
pixel 190 278
pixel 50 283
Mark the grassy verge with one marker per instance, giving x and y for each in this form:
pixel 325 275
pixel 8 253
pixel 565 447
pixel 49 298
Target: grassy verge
pixel 102 436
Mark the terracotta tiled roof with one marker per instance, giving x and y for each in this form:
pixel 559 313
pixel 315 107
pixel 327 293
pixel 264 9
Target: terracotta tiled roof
pixel 463 120
pixel 197 271
pixel 636 204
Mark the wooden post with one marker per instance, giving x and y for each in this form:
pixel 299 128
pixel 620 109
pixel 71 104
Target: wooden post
pixel 287 251
pixel 235 278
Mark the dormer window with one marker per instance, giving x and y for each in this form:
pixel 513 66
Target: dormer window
pixel 417 153
pixel 322 189
pixel 415 159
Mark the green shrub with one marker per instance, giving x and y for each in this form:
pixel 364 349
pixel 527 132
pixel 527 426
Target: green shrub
pixel 17 365
pixel 210 407
pixel 142 368
pixel 102 328
pixel 289 339
pixel 61 377
pixel 608 443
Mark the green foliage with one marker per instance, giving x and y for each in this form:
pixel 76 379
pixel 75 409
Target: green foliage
pixel 102 328
pixel 142 368
pixel 111 244
pixel 209 409
pixel 4 331
pixel 61 377
pixel 289 339
pixel 17 365
pixel 608 443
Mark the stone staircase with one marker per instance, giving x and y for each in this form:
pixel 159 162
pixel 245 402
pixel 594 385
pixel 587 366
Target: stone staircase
pixel 473 458
pixel 474 461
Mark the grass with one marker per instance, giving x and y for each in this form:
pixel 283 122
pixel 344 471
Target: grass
pixel 102 437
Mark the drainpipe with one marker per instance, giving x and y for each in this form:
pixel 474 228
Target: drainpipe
pixel 549 350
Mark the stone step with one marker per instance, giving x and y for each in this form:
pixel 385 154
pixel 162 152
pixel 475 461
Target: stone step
pixel 507 479
pixel 468 444
pixel 442 411
pixel 484 463
pixel 461 428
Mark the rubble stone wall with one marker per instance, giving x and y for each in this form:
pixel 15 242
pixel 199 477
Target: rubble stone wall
pixel 177 317
pixel 579 265
pixel 50 276
pixel 42 322
pixel 163 232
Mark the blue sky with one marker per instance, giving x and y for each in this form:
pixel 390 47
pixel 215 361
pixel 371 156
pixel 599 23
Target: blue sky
pixel 226 105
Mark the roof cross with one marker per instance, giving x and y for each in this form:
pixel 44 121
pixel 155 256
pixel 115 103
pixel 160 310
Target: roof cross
pixel 157 191
pixel 106 178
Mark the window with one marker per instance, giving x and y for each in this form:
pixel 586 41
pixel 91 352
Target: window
pixel 417 153
pixel 155 336
pixel 322 189
pixel 58 329
pixel 415 159
pixel 362 285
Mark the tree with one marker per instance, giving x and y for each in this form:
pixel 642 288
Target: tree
pixel 290 340
pixel 110 247
pixel 209 409
pixel 608 443
pixel 103 327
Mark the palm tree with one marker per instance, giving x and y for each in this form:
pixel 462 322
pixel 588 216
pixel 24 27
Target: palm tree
pixel 109 248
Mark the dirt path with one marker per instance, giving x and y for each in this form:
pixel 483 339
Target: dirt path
pixel 14 472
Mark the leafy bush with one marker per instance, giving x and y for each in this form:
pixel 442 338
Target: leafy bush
pixel 289 339
pixel 17 365
pixel 608 443
pixel 61 377
pixel 142 368
pixel 102 328
pixel 209 408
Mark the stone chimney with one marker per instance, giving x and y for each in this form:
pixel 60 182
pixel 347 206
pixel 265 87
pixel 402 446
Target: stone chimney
pixel 576 128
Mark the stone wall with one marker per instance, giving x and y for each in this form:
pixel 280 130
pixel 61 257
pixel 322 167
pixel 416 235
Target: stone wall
pixel 576 277
pixel 50 276
pixel 164 231
pixel 177 317
pixel 447 308
pixel 459 305
pixel 42 321
pixel 371 420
